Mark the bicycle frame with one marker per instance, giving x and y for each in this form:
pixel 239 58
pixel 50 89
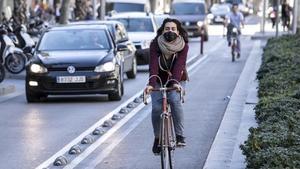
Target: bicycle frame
pixel 234 36
pixel 167 137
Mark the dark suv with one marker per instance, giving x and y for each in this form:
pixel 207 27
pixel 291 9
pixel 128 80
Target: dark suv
pixel 192 14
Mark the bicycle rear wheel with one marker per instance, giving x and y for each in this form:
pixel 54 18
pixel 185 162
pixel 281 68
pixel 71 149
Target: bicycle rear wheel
pixel 233 51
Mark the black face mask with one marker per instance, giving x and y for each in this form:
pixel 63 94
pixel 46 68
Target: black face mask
pixel 170 36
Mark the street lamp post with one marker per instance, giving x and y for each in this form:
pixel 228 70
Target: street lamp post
pixel 94 9
pixel 277 17
pixel 102 9
pixel 295 16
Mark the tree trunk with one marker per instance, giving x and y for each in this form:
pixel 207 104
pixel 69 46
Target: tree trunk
pixel 19 12
pixel 152 6
pixel 64 12
pixel 80 9
pixel 2 3
pixel 298 18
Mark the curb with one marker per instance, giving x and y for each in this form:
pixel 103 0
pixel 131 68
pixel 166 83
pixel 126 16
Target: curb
pixel 20 76
pixel 223 150
pixel 267 35
pixel 7 89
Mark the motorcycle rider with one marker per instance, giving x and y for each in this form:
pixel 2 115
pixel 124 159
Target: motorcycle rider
pixel 234 19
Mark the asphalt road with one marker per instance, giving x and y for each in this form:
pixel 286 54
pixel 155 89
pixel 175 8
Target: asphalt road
pixel 32 133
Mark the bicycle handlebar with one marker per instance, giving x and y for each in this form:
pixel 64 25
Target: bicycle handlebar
pixel 145 95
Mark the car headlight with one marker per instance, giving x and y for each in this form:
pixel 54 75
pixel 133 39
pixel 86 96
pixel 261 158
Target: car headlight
pixel 200 23
pixel 146 44
pixel 36 68
pixel 210 16
pixel 106 67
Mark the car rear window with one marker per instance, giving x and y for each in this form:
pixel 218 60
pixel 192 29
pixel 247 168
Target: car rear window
pixel 188 9
pixel 124 7
pixel 137 24
pixel 75 40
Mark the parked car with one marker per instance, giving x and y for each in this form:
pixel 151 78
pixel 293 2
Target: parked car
pixel 141 29
pixel 192 14
pixel 75 59
pixel 120 36
pixel 118 6
pixel 218 13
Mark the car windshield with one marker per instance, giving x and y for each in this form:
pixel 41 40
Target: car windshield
pixel 188 8
pixel 74 40
pixel 124 7
pixel 137 24
pixel 220 9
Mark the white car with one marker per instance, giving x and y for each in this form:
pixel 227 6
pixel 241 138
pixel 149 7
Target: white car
pixel 141 28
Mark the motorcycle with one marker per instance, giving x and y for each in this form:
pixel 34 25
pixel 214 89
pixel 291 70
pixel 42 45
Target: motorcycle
pixel 36 27
pixel 24 41
pixel 13 58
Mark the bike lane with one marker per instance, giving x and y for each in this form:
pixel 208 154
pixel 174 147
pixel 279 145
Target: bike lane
pixel 211 82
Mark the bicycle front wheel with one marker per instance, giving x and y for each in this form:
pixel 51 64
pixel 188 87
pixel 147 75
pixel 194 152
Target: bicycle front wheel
pixel 167 158
pixel 166 151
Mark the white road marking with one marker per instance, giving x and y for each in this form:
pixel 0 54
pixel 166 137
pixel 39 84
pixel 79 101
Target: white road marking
pixel 115 142
pixel 85 133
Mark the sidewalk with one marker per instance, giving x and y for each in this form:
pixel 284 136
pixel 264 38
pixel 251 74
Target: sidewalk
pixel 6 87
pixel 238 118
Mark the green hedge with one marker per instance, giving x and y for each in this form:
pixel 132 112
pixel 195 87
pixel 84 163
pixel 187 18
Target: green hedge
pixel 275 143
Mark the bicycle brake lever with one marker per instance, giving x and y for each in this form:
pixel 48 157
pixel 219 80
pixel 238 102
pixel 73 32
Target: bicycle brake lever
pixel 182 95
pixel 145 98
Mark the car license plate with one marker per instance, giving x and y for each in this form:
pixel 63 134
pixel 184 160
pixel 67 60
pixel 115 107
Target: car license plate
pixel 219 19
pixel 70 79
pixel 190 33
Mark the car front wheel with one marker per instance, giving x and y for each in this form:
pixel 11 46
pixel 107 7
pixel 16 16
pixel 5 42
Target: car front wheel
pixel 117 95
pixel 132 73
pixel 33 97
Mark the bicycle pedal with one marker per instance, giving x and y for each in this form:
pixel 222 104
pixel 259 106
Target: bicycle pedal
pixel 156 154
pixel 180 145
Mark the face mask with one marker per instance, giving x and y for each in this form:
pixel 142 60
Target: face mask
pixel 170 36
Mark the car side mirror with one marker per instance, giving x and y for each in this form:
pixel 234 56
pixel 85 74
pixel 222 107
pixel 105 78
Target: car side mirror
pixel 32 50
pixel 123 40
pixel 121 47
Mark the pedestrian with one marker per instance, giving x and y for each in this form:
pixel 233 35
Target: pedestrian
pixel 273 16
pixel 168 53
pixel 57 12
pixel 285 15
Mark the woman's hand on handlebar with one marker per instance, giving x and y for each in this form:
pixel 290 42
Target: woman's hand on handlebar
pixel 148 89
pixel 178 87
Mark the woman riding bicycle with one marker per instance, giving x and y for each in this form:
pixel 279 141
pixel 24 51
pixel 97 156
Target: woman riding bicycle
pixel 168 54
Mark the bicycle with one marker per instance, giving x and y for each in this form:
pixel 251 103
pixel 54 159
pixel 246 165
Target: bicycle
pixel 234 45
pixel 167 137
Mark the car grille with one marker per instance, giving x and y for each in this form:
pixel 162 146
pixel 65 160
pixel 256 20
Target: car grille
pixel 71 86
pixel 192 29
pixel 65 68
pixel 189 23
pixel 138 46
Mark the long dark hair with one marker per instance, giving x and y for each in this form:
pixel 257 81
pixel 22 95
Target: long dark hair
pixel 180 29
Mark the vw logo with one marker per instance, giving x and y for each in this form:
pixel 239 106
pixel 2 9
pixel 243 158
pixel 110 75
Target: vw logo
pixel 71 69
pixel 187 23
